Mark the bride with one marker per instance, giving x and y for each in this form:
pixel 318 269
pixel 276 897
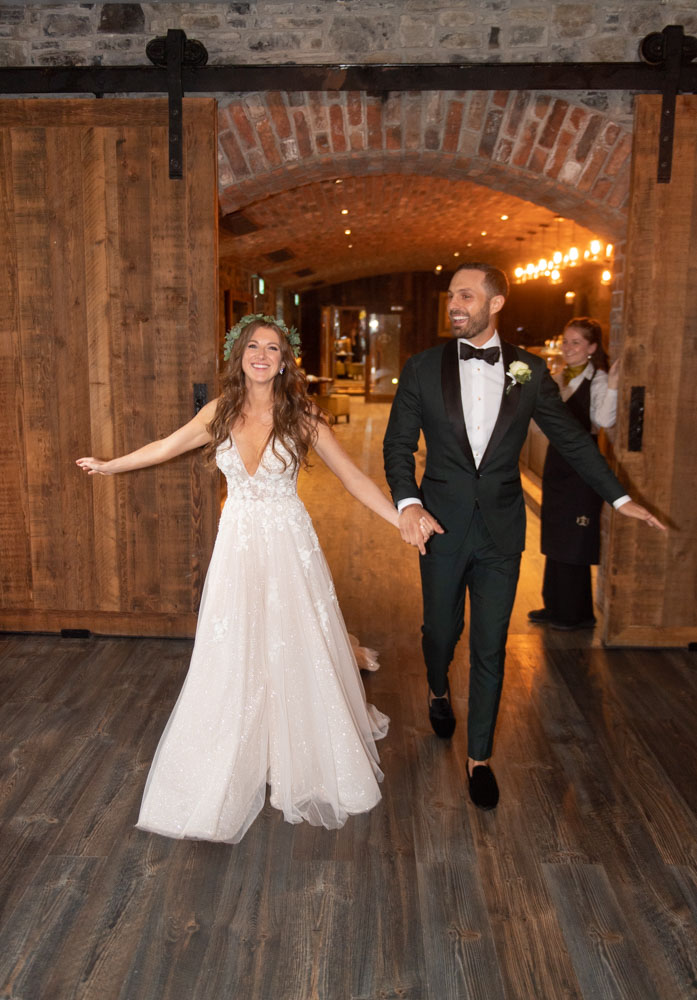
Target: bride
pixel 273 694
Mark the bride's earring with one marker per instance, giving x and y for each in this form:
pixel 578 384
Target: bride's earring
pixel 281 371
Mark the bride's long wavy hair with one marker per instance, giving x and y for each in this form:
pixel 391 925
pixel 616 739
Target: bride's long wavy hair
pixel 294 417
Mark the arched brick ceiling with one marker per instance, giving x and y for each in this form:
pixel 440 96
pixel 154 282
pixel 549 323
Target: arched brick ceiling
pixel 397 223
pixel 423 174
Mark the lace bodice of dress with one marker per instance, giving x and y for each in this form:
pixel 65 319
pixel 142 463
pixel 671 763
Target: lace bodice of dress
pixel 270 482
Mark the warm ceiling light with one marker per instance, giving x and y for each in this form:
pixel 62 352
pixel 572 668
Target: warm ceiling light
pixel 569 297
pixel 350 245
pixel 469 244
pixel 344 211
pixel 551 267
pixel 504 218
pixel 606 277
pixel 439 267
pixel 483 232
pixel 338 181
pixel 347 232
pixel 456 254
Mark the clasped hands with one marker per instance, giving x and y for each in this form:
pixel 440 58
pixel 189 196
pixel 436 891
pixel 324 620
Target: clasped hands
pixel 416 526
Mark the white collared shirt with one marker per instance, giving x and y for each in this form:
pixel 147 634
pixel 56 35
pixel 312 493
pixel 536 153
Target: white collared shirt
pixel 481 387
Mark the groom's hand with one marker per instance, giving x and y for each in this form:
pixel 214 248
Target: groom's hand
pixel 416 526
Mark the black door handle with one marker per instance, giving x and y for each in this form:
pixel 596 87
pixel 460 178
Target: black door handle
pixel 200 396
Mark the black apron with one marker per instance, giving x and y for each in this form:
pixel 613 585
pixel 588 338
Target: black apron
pixel 570 508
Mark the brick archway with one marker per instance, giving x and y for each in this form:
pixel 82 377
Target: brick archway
pixel 562 155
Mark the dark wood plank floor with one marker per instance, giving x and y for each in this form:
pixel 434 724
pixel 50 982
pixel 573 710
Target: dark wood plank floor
pixel 582 884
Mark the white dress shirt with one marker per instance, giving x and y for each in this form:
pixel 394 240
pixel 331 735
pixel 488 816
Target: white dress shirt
pixel 481 386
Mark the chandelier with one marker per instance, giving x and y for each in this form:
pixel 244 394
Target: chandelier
pixel 552 267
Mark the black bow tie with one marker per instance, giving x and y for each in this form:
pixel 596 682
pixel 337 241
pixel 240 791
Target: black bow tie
pixel 489 354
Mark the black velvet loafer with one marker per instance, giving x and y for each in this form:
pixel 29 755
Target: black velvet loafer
pixel 483 789
pixel 539 617
pixel 442 717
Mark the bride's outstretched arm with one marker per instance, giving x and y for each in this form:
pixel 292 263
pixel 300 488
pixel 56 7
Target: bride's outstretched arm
pixel 354 480
pixel 194 434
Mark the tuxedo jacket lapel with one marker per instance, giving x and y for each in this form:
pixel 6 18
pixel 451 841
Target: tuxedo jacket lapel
pixel 509 402
pixel 452 395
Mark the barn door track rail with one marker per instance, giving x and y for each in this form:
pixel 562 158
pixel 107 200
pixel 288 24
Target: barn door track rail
pixel 665 66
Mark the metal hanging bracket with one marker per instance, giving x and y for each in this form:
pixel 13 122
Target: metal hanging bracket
pixel 670 49
pixel 173 52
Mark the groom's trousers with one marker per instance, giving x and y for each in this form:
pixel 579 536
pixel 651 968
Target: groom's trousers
pixel 491 578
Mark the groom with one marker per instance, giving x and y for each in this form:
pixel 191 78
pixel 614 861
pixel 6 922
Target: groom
pixel 474 398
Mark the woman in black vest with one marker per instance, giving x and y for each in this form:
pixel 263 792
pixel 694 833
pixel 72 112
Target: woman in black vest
pixel 571 509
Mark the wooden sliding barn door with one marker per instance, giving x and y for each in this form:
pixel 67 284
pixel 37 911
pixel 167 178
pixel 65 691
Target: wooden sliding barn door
pixel 651 579
pixel 107 321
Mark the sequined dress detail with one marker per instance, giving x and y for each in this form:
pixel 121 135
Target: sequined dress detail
pixel 273 693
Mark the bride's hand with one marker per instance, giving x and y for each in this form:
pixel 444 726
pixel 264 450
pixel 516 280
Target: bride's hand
pixel 94 466
pixel 426 529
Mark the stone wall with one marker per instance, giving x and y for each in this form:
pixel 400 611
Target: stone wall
pixel 340 30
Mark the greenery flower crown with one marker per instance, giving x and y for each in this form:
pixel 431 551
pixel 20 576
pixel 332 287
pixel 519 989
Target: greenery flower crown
pixel 231 336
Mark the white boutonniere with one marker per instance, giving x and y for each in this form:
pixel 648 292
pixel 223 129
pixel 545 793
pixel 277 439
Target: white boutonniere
pixel 518 372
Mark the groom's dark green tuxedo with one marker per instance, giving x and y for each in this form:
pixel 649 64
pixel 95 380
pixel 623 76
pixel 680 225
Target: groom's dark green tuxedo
pixel 480 507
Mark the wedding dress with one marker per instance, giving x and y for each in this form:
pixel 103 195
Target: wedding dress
pixel 273 693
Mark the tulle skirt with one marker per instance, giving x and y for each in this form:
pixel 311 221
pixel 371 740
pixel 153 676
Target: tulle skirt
pixel 273 695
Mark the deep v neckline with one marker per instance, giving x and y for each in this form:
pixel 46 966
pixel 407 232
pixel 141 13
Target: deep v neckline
pixel 250 475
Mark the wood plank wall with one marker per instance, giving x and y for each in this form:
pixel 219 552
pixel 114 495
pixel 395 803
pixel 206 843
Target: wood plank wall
pixel 651 597
pixel 108 318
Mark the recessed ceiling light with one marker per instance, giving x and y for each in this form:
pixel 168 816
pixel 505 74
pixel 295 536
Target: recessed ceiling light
pixel 344 211
pixel 483 232
pixel 504 218
pixel 347 232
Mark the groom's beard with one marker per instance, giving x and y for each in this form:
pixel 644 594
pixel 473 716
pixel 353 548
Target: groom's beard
pixel 476 322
